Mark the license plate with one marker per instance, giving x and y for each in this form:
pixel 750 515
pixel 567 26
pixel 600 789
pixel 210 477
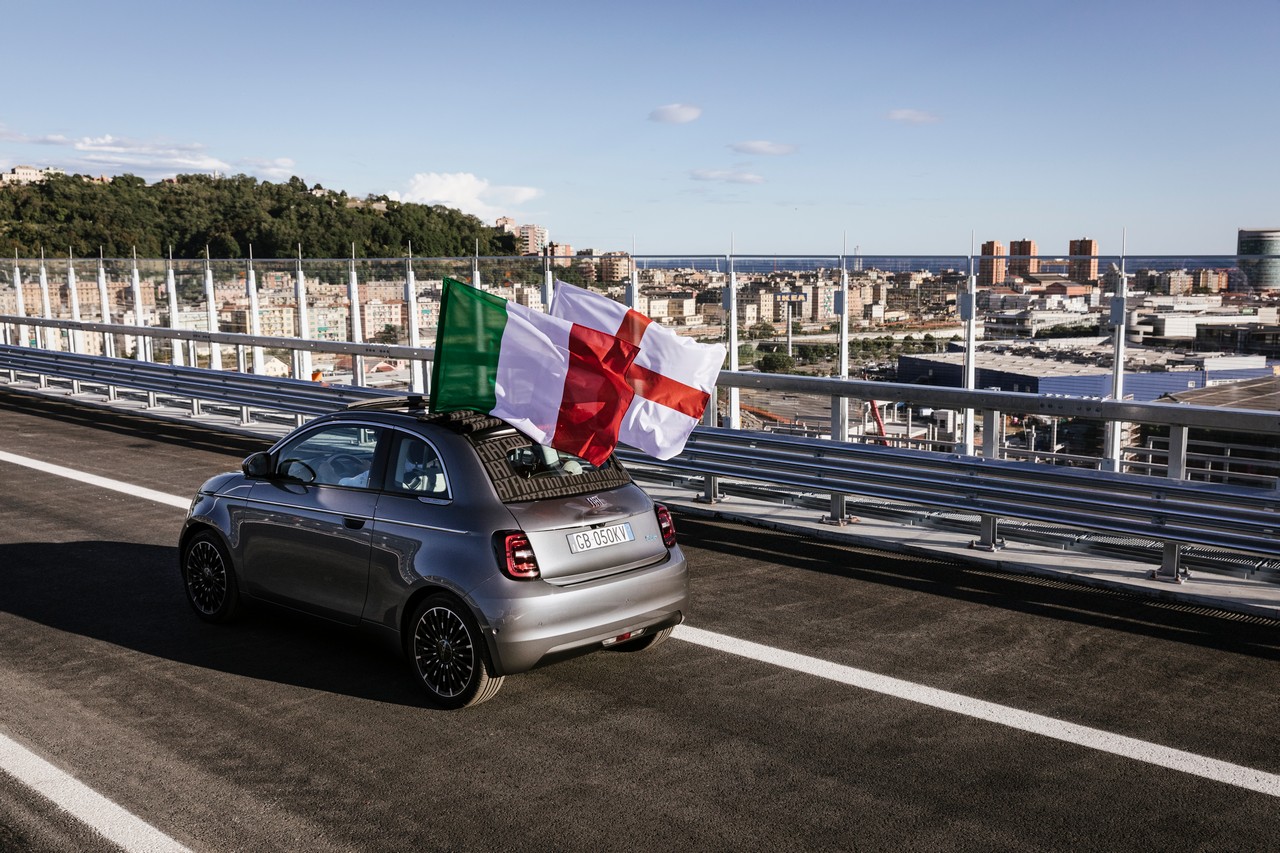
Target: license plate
pixel 601 537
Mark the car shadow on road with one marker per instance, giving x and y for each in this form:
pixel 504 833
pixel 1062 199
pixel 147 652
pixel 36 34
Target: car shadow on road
pixel 131 595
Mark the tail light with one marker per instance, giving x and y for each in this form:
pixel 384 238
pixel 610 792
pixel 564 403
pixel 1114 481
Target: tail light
pixel 666 525
pixel 516 557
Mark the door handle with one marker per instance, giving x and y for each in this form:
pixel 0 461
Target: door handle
pixel 353 523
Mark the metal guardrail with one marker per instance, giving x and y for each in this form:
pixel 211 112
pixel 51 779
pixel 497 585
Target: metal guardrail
pixel 1204 514
pixel 191 383
pixel 1170 509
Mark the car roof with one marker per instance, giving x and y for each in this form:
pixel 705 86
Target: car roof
pixel 413 408
pixel 491 439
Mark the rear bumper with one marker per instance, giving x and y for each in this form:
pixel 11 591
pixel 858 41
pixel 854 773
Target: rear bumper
pixel 530 622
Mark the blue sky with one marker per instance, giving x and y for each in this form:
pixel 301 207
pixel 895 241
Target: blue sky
pixel 689 127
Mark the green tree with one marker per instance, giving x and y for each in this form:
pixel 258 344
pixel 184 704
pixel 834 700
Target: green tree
pixel 389 335
pixel 776 362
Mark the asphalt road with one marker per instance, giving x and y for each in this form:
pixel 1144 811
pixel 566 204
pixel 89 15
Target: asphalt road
pixel 280 733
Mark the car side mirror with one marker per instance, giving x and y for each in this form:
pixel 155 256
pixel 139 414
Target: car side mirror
pixel 258 465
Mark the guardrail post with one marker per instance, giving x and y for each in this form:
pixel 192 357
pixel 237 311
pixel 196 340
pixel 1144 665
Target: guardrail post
pixel 839 433
pixel 1171 560
pixel 711 483
pixel 241 365
pixel 988 533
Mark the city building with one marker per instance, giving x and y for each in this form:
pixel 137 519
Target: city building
pixel 615 267
pixel 1242 338
pixel 991 266
pixel 1183 322
pixel 1175 282
pixel 1262 273
pixel 1083 265
pixel 1022 258
pixel 532 239
pixel 1147 376
pixel 20 175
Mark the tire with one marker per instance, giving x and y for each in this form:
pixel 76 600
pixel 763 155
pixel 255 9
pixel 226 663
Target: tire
pixel 449 655
pixel 209 579
pixel 648 641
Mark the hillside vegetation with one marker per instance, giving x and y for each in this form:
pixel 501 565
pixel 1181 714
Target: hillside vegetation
pixel 228 215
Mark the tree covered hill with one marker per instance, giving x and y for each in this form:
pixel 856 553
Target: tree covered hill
pixel 228 215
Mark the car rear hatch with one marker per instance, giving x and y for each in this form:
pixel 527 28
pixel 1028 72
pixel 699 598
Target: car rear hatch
pixel 590 536
pixel 583 521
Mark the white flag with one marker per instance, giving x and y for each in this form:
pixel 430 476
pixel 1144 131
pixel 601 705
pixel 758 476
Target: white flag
pixel 672 376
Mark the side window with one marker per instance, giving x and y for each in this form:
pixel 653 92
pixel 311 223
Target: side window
pixel 332 456
pixel 415 468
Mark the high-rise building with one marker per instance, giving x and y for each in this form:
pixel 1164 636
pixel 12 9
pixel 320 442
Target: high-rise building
pixel 992 264
pixel 1022 258
pixel 1084 260
pixel 615 267
pixel 1263 273
pixel 532 239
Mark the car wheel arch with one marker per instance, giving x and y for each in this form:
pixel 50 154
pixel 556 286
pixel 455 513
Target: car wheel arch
pixel 194 529
pixel 427 590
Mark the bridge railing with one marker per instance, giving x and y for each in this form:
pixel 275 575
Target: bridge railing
pixel 1152 500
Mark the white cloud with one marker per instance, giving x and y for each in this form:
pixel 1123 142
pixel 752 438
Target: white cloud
pixel 676 114
pixel 913 117
pixel 466 192
pixel 761 147
pixel 7 135
pixel 148 158
pixel 278 169
pixel 728 176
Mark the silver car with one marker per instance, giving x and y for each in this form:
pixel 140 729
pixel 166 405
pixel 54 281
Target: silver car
pixel 476 552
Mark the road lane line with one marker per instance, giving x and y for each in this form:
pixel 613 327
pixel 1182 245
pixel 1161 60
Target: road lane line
pixel 1127 747
pixel 1091 738
pixel 95 480
pixel 109 820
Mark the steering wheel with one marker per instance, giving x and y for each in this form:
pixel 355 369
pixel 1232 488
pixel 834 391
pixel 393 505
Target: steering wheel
pixel 340 466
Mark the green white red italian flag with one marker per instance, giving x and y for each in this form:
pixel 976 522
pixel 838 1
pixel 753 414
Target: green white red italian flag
pixel 562 384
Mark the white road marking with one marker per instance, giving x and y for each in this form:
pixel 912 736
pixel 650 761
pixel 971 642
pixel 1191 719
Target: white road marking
pixel 109 820
pixel 1239 776
pixel 95 480
pixel 1127 747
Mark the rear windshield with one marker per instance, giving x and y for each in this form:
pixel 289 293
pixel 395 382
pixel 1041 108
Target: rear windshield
pixel 524 471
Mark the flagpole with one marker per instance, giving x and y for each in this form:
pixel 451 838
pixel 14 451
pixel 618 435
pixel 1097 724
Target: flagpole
pixel 416 379
pixel 76 337
pixel 211 313
pixel 548 280
pixel 968 314
pixel 357 329
pixel 840 404
pixel 731 311
pixel 50 339
pixel 255 322
pixel 141 345
pixel 303 360
pixel 1119 315
pixel 104 302
pixel 23 331
pixel 171 291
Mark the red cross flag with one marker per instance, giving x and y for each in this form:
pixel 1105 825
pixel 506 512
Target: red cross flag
pixel 672 376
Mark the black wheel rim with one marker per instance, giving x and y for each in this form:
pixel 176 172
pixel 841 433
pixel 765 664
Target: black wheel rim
pixel 444 652
pixel 206 577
